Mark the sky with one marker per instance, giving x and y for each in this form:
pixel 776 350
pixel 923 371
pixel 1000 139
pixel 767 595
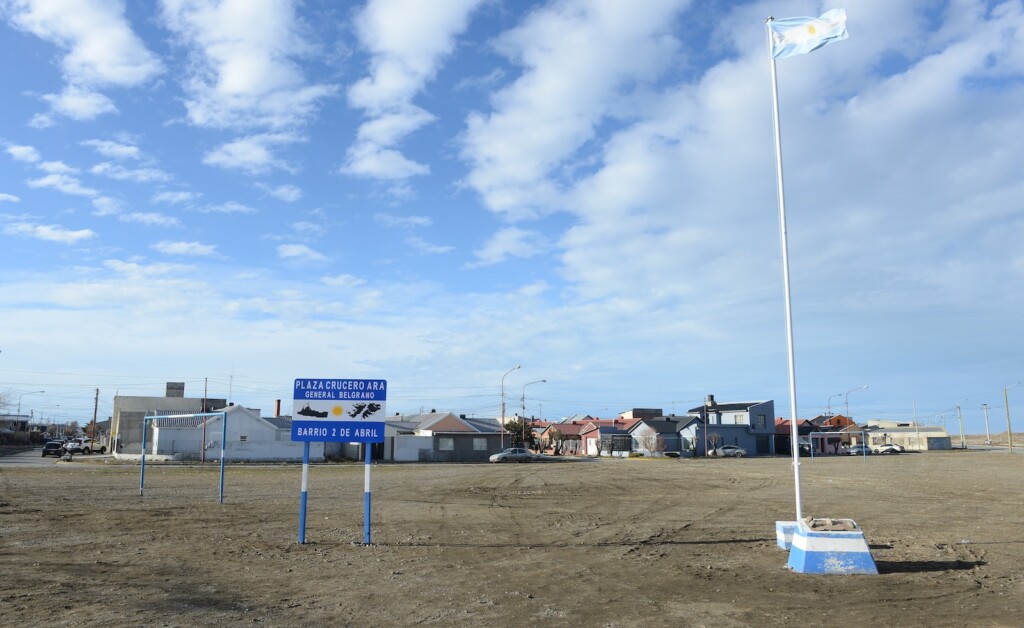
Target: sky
pixel 235 194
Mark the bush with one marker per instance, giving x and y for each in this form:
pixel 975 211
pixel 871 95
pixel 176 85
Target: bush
pixel 671 454
pixel 636 454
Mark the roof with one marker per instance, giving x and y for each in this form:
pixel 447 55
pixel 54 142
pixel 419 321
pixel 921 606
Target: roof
pixel 727 407
pixel 661 425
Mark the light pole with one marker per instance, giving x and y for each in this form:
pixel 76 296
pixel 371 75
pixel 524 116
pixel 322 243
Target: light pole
pixel 34 392
pixel 503 403
pixel 830 402
pixel 1009 430
pixel 847 395
pixel 988 433
pixel 522 417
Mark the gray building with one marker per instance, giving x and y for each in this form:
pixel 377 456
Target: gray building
pixel 747 424
pixel 126 419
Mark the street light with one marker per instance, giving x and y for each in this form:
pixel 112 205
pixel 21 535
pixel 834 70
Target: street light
pixel 34 392
pixel 1006 401
pixel 503 403
pixel 847 395
pixel 830 402
pixel 522 417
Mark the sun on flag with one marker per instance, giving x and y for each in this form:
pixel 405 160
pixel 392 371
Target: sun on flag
pixel 800 35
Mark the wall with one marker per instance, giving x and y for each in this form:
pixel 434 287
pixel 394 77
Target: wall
pixel 128 412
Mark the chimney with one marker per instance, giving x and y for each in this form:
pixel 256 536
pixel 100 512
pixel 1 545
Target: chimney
pixel 710 402
pixel 277 407
pixel 175 389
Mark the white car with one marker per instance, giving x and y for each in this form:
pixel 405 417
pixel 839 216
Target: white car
pixel 514 454
pixel 84 446
pixel 731 451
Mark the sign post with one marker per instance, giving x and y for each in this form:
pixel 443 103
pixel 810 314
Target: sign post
pixel 338 411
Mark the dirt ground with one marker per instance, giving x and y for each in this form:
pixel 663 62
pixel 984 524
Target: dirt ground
pixel 598 543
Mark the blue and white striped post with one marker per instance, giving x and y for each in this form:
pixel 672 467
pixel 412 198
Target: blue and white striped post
pixel 366 495
pixel 303 494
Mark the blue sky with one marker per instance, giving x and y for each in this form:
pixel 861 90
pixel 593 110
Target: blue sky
pixel 250 191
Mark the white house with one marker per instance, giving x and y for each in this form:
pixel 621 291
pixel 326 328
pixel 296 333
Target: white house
pixel 249 437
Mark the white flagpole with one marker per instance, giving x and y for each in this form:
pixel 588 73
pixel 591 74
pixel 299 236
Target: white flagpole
pixel 794 445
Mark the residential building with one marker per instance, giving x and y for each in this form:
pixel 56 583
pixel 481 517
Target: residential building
pixel 128 413
pixel 746 424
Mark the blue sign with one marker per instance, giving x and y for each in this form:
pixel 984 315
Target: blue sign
pixel 339 410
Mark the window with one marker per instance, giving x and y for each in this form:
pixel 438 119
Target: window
pixel 479 444
pixel 446 444
pixel 761 421
pixel 242 438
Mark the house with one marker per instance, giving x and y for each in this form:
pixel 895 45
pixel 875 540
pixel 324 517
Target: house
pixel 912 436
pixel 607 437
pixel 249 437
pixel 433 437
pixel 746 424
pixel 811 436
pixel 658 436
pixel 563 438
pixel 128 413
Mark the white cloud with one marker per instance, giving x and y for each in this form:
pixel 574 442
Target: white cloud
pixel 175 198
pixel 8 198
pixel 28 154
pixel 114 150
pixel 509 242
pixel 106 206
pixel 251 154
pixel 421 245
pixel 300 252
pixel 309 229
pixel 78 104
pixel 231 207
pixel 407 40
pixel 56 167
pixel 63 183
pixel 138 175
pixel 50 233
pixel 390 220
pixel 195 249
pixel 153 219
pixel 343 281
pixel 581 60
pixel 287 193
pixel 244 59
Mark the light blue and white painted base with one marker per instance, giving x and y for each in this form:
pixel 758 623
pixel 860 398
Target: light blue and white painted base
pixel 784 533
pixel 830 551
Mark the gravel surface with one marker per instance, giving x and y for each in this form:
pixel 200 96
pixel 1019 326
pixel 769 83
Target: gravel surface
pixel 608 543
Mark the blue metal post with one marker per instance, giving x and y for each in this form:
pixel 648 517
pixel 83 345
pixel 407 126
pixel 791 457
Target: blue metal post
pixel 223 438
pixel 142 477
pixel 302 495
pixel 366 495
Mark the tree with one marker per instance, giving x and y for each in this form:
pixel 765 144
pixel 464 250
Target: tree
pixel 651 441
pixel 555 439
pixel 522 432
pixel 73 428
pixel 714 438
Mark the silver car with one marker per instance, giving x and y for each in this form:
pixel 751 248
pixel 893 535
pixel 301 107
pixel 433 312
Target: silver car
pixel 731 451
pixel 514 454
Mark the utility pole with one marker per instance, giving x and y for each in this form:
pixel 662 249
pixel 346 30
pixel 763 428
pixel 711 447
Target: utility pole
pixel 1009 430
pixel 988 434
pixel 95 409
pixel 963 437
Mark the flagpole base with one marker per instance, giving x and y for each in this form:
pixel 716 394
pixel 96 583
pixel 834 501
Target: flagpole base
pixel 830 546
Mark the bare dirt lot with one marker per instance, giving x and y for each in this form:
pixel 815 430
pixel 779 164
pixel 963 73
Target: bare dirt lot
pixel 606 543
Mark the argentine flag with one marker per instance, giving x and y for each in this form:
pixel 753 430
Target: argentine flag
pixel 800 35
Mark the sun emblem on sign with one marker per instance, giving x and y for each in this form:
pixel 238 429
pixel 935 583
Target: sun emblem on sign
pixel 337 410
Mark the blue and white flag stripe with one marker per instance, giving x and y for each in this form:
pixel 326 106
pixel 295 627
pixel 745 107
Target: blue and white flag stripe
pixel 800 35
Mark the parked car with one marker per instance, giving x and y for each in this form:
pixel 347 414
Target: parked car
pixel 888 448
pixel 53 448
pixel 859 450
pixel 731 451
pixel 84 446
pixel 513 454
